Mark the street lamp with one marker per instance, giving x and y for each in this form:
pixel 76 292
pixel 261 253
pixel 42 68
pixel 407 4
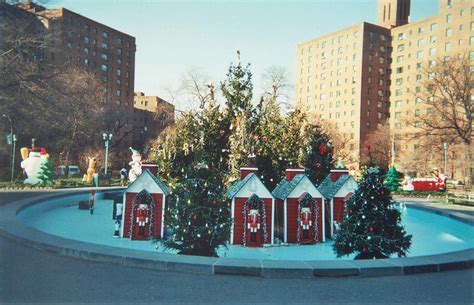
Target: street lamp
pixel 106 137
pixel 11 140
pixel 445 146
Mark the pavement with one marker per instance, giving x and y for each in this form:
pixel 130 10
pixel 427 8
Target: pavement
pixel 31 276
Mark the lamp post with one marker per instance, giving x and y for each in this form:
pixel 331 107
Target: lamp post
pixel 445 146
pixel 11 140
pixel 106 137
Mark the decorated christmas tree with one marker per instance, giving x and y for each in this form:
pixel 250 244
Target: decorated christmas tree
pixel 46 173
pixel 198 214
pixel 392 180
pixel 371 227
pixel 316 154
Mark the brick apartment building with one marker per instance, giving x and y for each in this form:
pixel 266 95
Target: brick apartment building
pixel 360 77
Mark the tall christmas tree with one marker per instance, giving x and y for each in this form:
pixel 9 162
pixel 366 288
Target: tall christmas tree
pixel 392 179
pixel 198 214
pixel 46 174
pixel 371 227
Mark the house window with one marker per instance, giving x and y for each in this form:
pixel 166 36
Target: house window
pixel 86 50
pixel 105 34
pixel 86 39
pixel 105 45
pixel 104 56
pixel 104 67
pixel 119 40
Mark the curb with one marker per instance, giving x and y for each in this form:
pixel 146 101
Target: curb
pixel 14 229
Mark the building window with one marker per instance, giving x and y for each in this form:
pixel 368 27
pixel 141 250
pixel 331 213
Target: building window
pixel 105 34
pixel 434 26
pixel 119 40
pixel 87 28
pixel 398 92
pixel 399 70
pixel 401 36
pixel 471 40
pixel 118 92
pixel 419 54
pixel 421 30
pixel 420 42
pixel 447 47
pixel 449 18
pixel 433 39
pixel 418 77
pixel 69 45
pixel 449 32
pixel 399 81
pixel 119 61
pixel 400 47
pixel 104 67
pixel 119 72
pixel 86 39
pixel 398 126
pixel 398 104
pixel 104 56
pixel 86 61
pixel 105 45
pixel 432 51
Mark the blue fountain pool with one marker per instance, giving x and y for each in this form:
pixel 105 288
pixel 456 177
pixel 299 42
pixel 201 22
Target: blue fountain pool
pixel 432 233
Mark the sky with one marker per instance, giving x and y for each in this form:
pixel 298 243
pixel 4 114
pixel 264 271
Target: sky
pixel 174 37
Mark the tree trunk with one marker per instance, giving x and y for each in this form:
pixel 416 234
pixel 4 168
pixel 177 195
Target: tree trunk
pixel 468 158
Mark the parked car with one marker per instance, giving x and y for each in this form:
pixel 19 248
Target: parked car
pixel 60 171
pixel 73 171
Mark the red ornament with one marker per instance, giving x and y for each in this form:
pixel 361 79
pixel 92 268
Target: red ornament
pixel 371 229
pixel 318 164
pixel 322 149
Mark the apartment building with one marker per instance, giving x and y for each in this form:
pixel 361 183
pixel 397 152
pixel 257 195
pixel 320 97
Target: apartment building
pixel 361 77
pixel 151 115
pixel 417 46
pixel 107 52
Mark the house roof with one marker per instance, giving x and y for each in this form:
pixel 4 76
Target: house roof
pixel 285 187
pixel 328 188
pixel 147 173
pixel 238 185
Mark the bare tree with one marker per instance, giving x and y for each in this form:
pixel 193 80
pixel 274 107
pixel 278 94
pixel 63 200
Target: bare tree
pixel 376 149
pixel 275 82
pixel 446 105
pixel 342 143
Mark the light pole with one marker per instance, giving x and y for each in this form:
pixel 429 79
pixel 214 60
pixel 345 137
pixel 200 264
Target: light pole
pixel 11 140
pixel 106 137
pixel 445 146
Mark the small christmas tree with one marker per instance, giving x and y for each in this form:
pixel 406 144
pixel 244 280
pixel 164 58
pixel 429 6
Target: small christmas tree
pixel 371 226
pixel 392 180
pixel 198 215
pixel 46 174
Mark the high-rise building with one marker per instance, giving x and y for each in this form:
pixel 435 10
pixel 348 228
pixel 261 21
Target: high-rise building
pixel 107 52
pixel 417 46
pixel 360 78
pixel 343 78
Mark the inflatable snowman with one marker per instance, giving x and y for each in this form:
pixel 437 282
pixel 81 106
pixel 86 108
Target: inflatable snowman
pixel 136 165
pixel 32 164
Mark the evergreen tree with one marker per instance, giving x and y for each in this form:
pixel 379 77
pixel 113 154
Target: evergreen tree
pixel 237 90
pixel 268 141
pixel 316 153
pixel 198 214
pixel 46 174
pixel 392 179
pixel 371 227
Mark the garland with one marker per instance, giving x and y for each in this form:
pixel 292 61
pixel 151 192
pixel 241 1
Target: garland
pixel 143 197
pixel 255 202
pixel 305 202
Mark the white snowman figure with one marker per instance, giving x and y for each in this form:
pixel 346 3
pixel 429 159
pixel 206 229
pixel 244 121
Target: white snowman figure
pixel 32 165
pixel 407 184
pixel 136 165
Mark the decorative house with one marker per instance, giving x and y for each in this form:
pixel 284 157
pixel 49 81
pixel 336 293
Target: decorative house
pixel 299 209
pixel 337 188
pixel 252 209
pixel 144 208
